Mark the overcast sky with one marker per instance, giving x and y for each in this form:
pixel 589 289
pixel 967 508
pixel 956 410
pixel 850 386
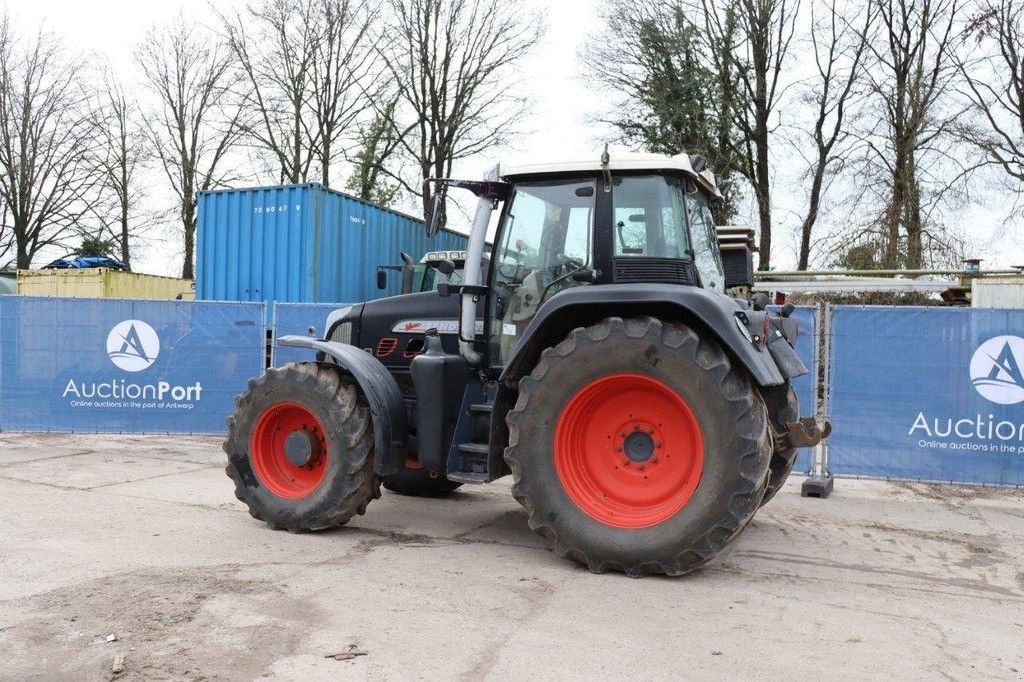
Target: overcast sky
pixel 557 125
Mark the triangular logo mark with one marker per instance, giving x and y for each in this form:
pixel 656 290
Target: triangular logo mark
pixel 133 344
pixel 1005 368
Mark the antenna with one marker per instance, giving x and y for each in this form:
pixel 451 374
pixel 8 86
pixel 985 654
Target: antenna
pixel 604 167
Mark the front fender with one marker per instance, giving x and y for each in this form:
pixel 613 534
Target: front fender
pixel 581 306
pixel 387 408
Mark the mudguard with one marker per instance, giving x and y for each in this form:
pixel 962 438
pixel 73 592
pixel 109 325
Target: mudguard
pixel 580 306
pixel 387 408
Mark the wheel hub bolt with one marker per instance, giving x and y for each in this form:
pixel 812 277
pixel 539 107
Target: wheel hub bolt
pixel 301 447
pixel 639 446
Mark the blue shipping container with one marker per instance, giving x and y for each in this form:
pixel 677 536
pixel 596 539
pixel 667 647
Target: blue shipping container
pixel 302 244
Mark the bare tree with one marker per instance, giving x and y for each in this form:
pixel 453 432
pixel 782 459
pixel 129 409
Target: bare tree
pixel 994 84
pixel 121 153
pixel 452 62
pixel 304 65
pixel 671 89
pixel 195 121
pixel 767 28
pixel 45 142
pixel 911 73
pixel 378 145
pixel 755 37
pixel 839 47
pixel 346 77
pixel 275 64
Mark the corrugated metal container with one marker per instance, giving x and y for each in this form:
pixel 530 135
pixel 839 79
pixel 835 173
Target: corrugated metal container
pixel 997 292
pixel 101 283
pixel 302 244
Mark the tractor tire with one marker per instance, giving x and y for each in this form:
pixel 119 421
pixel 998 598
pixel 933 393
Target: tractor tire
pixel 783 408
pixel 635 446
pixel 300 448
pixel 418 483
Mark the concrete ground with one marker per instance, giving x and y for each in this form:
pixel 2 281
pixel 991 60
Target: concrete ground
pixel 128 557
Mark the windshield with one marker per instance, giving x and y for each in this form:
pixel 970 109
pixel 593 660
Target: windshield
pixel 649 217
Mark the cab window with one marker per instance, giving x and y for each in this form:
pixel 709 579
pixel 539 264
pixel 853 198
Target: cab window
pixel 649 217
pixel 546 237
pixel 707 257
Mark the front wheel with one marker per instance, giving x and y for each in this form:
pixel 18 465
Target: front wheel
pixel 300 448
pixel 636 446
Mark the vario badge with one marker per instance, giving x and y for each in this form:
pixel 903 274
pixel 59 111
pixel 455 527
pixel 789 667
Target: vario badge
pixel 996 370
pixel 133 345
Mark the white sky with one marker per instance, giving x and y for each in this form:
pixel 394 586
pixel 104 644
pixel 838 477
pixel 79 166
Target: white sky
pixel 557 125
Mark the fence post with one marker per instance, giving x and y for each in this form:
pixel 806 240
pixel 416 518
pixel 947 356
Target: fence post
pixel 820 482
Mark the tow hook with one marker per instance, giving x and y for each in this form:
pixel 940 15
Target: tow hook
pixel 806 432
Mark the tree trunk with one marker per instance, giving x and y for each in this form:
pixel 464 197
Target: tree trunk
pixel 189 223
pixel 764 205
pixel 913 224
pixel 894 212
pixel 24 258
pixel 124 237
pixel 325 162
pixel 814 202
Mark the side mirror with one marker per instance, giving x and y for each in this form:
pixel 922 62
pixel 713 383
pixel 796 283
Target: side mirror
pixel 382 279
pixel 436 214
pixel 447 267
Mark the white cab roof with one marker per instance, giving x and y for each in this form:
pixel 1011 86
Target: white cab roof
pixel 618 161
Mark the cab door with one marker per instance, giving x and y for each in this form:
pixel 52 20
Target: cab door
pixel 547 234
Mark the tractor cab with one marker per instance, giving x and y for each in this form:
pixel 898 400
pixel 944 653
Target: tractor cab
pixel 643 413
pixel 578 224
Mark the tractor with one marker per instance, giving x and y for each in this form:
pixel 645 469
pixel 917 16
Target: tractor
pixel 643 414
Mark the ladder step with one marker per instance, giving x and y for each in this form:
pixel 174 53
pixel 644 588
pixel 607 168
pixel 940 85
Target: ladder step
pixel 467 477
pixel 482 407
pixel 475 448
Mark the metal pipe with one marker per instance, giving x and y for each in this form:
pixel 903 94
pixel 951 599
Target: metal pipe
pixel 471 277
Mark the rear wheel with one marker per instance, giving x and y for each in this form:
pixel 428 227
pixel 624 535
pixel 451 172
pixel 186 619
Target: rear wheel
pixel 635 446
pixel 300 448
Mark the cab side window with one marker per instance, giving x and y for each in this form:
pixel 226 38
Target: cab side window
pixel 706 255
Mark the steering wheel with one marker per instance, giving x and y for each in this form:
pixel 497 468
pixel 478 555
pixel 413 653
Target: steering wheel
pixel 567 264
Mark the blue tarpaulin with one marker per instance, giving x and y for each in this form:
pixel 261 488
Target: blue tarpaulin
pixel 928 394
pixel 103 365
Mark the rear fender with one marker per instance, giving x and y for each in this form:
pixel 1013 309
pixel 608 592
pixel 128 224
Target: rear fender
pixel 387 408
pixel 709 312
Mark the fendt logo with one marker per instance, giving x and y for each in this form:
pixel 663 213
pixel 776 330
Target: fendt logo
pixel 133 345
pixel 995 370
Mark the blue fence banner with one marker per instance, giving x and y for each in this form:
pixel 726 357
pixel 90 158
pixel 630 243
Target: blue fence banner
pixel 105 365
pixel 297 318
pixel 806 387
pixel 933 394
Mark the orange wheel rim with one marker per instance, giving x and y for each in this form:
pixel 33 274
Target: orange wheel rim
pixel 288 450
pixel 628 451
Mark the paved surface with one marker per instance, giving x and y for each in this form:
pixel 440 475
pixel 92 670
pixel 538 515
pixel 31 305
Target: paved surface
pixel 140 538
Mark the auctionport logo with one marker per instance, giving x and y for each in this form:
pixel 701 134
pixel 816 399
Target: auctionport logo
pixel 133 345
pixel 995 370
